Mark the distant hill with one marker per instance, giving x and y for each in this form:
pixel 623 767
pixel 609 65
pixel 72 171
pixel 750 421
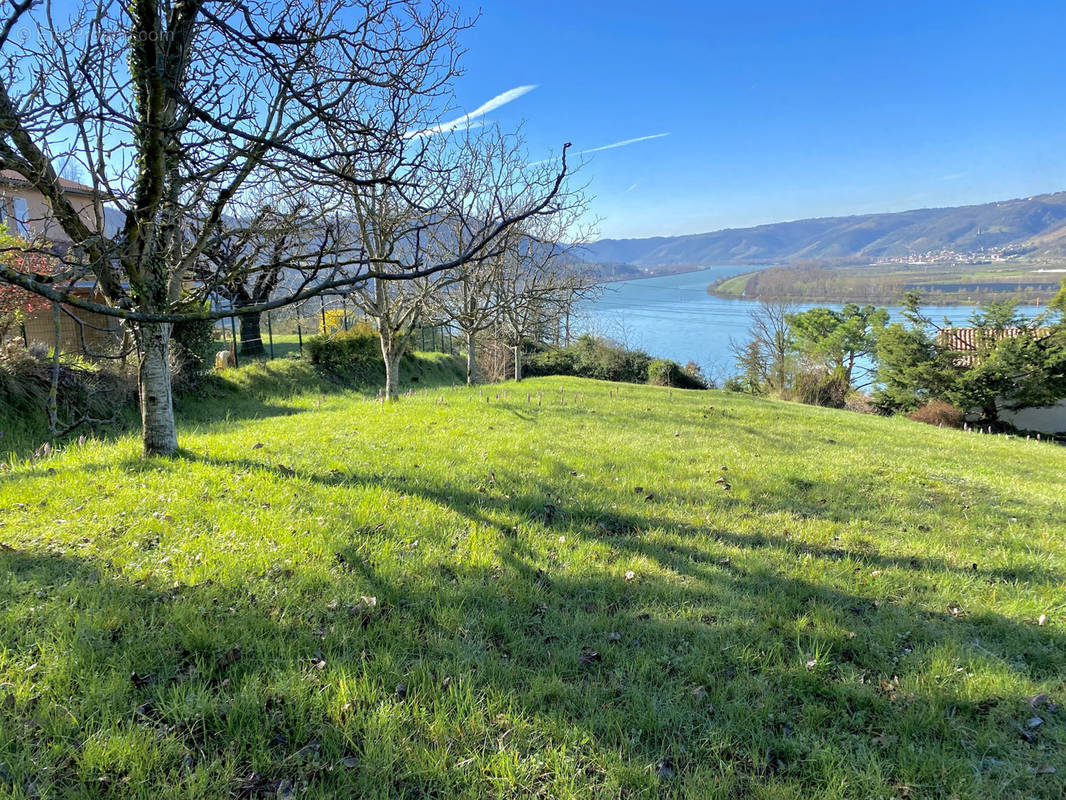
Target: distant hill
pixel 1034 225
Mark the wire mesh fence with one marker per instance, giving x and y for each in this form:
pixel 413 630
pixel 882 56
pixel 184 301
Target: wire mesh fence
pixel 279 333
pixel 283 333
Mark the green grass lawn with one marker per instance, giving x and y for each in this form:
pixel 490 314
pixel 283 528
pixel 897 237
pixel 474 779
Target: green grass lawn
pixel 285 345
pixel 734 286
pixel 560 588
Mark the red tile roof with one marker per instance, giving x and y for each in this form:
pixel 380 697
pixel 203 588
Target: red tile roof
pixel 12 177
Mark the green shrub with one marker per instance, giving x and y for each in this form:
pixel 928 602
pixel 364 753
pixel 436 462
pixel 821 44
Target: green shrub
pixel 192 353
pixel 610 361
pixel 695 371
pixel 596 357
pixel 592 357
pixel 350 351
pixel 663 372
pixel 551 362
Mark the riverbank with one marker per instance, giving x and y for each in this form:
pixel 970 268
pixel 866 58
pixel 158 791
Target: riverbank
pixel 674 317
pixel 952 284
pixel 663 273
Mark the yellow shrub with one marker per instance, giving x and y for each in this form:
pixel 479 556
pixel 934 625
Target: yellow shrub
pixel 332 321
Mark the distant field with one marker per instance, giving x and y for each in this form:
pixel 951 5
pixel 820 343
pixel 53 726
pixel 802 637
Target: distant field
pixel 560 588
pixel 735 286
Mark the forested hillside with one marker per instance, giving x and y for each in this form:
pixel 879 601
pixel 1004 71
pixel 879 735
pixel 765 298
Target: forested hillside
pixel 1034 226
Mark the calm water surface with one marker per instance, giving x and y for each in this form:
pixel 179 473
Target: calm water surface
pixel 674 317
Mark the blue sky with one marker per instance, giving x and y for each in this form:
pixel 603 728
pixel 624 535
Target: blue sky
pixel 781 110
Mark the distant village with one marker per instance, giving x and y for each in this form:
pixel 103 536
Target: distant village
pixel 945 256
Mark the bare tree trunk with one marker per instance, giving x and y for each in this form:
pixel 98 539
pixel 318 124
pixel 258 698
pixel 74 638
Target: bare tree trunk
pixel 471 359
pixel 53 388
pixel 251 335
pixel 392 376
pixel 392 379
pixel 391 353
pixel 518 362
pixel 157 406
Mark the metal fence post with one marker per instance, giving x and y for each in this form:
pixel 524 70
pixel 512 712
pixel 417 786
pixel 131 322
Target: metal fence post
pixel 270 335
pixel 299 332
pixel 233 331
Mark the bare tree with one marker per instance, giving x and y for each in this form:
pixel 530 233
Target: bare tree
pixel 576 287
pixel 528 287
pixel 766 357
pixel 489 164
pixel 182 114
pixel 529 282
pixel 469 302
pixel 539 276
pixel 395 223
pixel 246 266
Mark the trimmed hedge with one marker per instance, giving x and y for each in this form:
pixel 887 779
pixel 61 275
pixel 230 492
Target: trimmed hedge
pixel 350 351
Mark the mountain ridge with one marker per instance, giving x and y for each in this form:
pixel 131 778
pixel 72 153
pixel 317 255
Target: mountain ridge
pixel 1034 225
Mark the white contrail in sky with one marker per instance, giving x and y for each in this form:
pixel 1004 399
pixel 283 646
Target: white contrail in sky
pixel 467 120
pixel 623 143
pixel 611 146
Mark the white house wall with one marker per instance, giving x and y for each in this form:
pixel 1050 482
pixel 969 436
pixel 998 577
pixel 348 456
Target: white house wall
pixel 1045 419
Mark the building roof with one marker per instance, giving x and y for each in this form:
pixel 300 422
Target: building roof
pixel 967 342
pixel 970 339
pixel 13 178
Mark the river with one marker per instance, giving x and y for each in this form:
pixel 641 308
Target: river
pixel 673 317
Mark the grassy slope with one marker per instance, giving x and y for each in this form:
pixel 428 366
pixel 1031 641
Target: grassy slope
pixel 790 637
pixel 260 388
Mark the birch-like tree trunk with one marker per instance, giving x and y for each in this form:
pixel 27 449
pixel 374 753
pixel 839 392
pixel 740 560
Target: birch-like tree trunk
pixel 160 434
pixel 471 358
pixel 518 361
pixel 53 389
pixel 391 353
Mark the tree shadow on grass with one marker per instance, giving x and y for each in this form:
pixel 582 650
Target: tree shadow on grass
pixel 530 674
pixel 543 504
pixel 724 676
